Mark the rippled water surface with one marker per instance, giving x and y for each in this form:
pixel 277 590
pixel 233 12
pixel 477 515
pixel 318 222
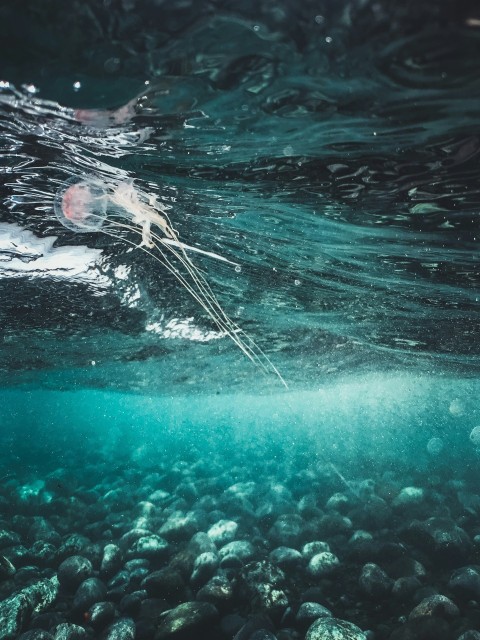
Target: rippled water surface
pixel 323 157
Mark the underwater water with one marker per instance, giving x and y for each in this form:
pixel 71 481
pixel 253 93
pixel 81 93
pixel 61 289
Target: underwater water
pixel 239 303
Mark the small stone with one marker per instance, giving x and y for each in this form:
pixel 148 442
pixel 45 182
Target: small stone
pixel 204 567
pixel 374 582
pixel 471 634
pixel 217 591
pixel 308 612
pixel 285 557
pixel 100 615
pixel 465 582
pixel 241 549
pixel 68 631
pixel 73 571
pixel 180 526
pixel 323 564
pixel 151 547
pixel 222 532
pixel 188 618
pixel 327 628
pixel 122 629
pixel 88 593
pixel 111 560
pixel 436 605
pixel 409 496
pixel 312 548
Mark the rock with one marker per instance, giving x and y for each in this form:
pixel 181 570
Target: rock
pixel 470 635
pixel 204 567
pixel 338 502
pixel 440 538
pixel 323 564
pixel 436 605
pixel 73 571
pixel 186 620
pixel 465 582
pixel 151 547
pixel 218 591
pixel 308 612
pixel 68 631
pixel 285 557
pixel 374 582
pixel 222 532
pixel 88 593
pixel 409 496
pixel 122 629
pixel 241 549
pixel 180 526
pixel 312 548
pixel 404 588
pixel 111 560
pixel 256 623
pixel 327 628
pixel 100 615
pixel 17 610
pixel 287 530
pixel 262 583
pixel 165 583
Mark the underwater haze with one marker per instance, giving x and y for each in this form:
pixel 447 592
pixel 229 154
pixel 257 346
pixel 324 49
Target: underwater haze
pixel 240 320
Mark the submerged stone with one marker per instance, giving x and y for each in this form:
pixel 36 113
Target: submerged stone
pixel 327 628
pixel 186 620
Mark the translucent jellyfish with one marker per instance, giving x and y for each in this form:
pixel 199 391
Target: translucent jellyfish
pixel 82 205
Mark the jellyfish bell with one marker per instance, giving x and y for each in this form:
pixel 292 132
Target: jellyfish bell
pixel 81 204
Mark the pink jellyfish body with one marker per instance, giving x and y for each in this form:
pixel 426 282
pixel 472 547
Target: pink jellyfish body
pixel 81 205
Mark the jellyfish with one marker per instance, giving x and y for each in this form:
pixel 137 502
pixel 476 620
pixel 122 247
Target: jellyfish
pixel 82 204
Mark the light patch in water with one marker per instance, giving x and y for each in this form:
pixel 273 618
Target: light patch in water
pixel 22 254
pixel 184 329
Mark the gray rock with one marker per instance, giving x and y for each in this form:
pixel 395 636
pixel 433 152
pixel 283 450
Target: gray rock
pixel 287 530
pixel 326 628
pixel 262 584
pixel 465 582
pixel 470 635
pixel 308 612
pixel 73 571
pixel 204 567
pixel 188 618
pixel 100 615
pixel 17 610
pixel 111 560
pixel 180 526
pixel 122 629
pixel 440 537
pixel 217 591
pixel 312 548
pixel 286 557
pixel 323 564
pixel 151 547
pixel 88 593
pixel 409 496
pixel 241 549
pixel 436 605
pixel 68 631
pixel 222 532
pixel 374 582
